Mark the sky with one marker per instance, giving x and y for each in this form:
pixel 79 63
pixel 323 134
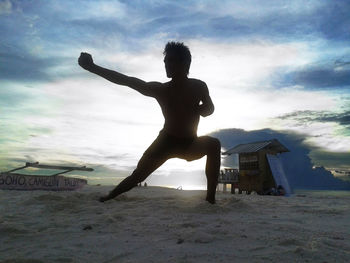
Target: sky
pixel 279 65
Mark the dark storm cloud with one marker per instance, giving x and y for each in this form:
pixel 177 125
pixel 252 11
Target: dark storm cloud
pixel 316 77
pixel 27 67
pixel 342 118
pixel 15 67
pixel 341 63
pixel 334 20
pixel 335 159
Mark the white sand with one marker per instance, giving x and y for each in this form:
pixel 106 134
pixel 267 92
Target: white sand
pixel 166 225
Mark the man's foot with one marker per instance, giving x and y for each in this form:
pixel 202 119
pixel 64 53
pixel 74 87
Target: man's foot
pixel 104 198
pixel 210 200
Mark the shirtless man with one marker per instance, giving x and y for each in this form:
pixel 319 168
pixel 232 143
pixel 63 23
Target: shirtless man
pixel 182 101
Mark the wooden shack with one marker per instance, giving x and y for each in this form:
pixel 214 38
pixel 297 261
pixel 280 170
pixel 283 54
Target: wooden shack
pixel 227 176
pixel 254 173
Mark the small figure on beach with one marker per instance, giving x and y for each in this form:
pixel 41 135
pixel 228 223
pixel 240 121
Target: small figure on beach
pixel 182 100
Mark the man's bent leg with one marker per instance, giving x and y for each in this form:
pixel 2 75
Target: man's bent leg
pixel 145 167
pixel 211 147
pixel 212 168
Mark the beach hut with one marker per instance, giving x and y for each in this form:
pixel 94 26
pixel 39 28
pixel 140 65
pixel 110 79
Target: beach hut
pixel 260 168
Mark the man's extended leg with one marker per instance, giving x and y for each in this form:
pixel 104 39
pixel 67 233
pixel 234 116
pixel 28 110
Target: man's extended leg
pixel 211 147
pixel 144 168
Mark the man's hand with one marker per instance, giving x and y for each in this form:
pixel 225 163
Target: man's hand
pixel 85 61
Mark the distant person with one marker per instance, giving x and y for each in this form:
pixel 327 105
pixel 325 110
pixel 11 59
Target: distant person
pixel 182 100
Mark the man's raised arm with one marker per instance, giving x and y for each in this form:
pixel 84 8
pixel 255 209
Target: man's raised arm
pixel 146 88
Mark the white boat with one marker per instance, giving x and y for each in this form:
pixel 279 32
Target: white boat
pixel 10 180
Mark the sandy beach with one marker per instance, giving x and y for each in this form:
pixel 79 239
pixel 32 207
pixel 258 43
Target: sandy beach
pixel 154 224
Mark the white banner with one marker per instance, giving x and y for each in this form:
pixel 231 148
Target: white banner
pixel 278 173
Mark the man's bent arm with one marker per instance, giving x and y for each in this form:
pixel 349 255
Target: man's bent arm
pixel 207 106
pixel 145 88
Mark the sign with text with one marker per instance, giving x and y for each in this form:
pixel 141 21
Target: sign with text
pixel 12 181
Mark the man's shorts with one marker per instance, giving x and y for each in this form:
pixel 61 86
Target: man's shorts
pixel 168 146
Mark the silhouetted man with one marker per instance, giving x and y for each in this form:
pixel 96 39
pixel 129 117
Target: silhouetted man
pixel 182 101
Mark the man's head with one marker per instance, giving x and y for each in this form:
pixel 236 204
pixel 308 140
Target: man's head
pixel 177 59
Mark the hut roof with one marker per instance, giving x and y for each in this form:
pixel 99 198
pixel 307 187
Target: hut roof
pixel 273 145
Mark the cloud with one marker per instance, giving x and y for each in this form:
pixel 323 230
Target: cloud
pixel 334 20
pixel 124 26
pixel 341 63
pixel 5 7
pixel 135 20
pixel 100 28
pixel 237 19
pixel 316 77
pixel 20 65
pixel 331 160
pixel 342 118
pixel 26 67
pixel 329 130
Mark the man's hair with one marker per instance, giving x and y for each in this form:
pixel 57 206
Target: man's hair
pixel 181 51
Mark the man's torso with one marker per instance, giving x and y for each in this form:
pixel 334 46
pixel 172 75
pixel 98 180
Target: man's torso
pixel 179 104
